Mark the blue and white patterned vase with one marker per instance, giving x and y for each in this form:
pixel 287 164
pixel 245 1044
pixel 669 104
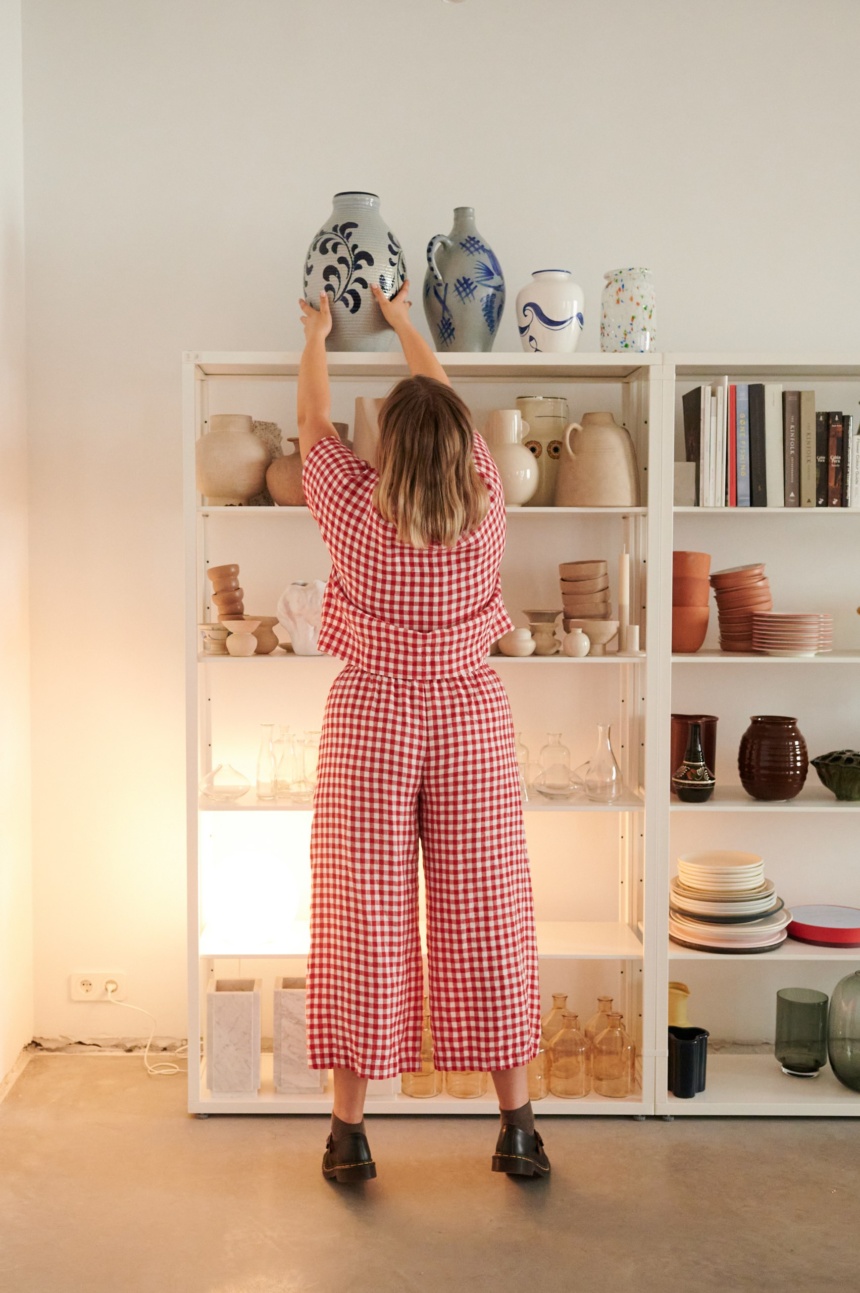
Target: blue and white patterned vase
pixel 464 288
pixel 628 318
pixel 355 248
pixel 550 312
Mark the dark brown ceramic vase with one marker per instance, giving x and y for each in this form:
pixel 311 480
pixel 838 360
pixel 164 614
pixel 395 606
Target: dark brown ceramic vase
pixel 772 759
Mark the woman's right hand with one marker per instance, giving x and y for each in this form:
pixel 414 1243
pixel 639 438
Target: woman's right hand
pixel 394 311
pixel 316 322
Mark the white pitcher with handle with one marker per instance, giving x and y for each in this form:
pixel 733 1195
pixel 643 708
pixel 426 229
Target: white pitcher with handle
pixel 518 467
pixel 598 465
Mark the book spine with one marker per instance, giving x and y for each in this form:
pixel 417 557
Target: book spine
pixel 855 471
pixel 732 449
pixel 822 424
pixel 834 461
pixel 791 446
pixel 758 471
pixel 743 438
pixel 773 444
pixel 848 447
pixel 807 448
pixel 691 404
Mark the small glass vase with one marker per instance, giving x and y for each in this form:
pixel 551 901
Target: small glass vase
pixel 843 1031
pixel 555 779
pixel 613 1058
pixel 569 1074
pixel 466 1085
pixel 801 1031
pixel 601 776
pixel 427 1081
pixel 628 318
pixel 224 784
pixel 266 769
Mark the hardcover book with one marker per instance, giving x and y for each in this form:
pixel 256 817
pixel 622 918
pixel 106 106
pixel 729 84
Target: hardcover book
pixel 773 444
pixel 743 439
pixel 732 449
pixel 693 404
pixel 834 461
pixel 791 446
pixel 807 448
pixel 758 470
pixel 822 431
pixel 848 447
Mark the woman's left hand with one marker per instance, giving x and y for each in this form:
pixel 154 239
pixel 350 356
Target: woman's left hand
pixel 316 322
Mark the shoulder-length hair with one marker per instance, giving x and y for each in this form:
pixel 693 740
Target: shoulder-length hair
pixel 428 486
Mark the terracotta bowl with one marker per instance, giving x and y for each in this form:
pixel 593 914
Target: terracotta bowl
pixel 588 610
pixel 734 598
pixel 596 584
pixel 598 632
pixel 228 599
pixel 222 572
pixel 582 569
pixel 687 590
pixel 689 626
pixel 691 563
pixel 737 576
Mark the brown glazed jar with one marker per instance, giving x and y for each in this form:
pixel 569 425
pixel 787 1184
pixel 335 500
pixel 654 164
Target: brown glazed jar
pixel 772 758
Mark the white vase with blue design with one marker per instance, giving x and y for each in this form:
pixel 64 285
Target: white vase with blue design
pixel 550 312
pixel 355 248
pixel 464 288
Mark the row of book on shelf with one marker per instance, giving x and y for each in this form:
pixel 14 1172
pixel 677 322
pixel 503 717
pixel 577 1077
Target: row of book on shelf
pixel 757 445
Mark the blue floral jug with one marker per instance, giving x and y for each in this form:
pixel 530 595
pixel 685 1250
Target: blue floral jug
pixel 464 288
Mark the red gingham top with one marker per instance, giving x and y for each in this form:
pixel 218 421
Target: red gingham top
pixel 392 609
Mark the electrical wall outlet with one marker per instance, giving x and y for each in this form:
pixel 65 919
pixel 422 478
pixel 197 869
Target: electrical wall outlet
pixel 92 985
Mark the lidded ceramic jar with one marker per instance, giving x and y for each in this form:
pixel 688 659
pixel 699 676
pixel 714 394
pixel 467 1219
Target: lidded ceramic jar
pixel 772 758
pixel 354 248
pixel 550 312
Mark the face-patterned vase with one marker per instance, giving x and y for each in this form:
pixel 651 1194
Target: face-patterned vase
pixel 464 288
pixel 355 248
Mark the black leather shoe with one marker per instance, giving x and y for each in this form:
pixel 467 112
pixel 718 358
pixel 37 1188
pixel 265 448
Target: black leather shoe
pixel 520 1153
pixel 348 1159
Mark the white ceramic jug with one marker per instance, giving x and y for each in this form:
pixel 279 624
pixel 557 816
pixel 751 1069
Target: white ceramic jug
pixel 598 465
pixel 517 466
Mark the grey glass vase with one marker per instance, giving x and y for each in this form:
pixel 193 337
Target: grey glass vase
pixel 843 1031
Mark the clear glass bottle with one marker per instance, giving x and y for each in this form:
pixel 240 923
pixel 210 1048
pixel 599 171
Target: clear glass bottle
pixel 282 746
pixel 602 776
pixel 569 1076
pixel 427 1081
pixel 539 1069
pixel 555 779
pixel 523 760
pixel 552 1022
pixel 613 1058
pixel 266 773
pixel 466 1085
pixel 596 1024
pixel 307 759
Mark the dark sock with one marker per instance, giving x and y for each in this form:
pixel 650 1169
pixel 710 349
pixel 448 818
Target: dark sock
pixel 523 1117
pixel 340 1129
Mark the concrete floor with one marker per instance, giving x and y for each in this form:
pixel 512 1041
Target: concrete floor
pixel 108 1186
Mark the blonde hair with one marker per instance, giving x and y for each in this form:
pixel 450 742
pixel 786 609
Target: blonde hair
pixel 428 486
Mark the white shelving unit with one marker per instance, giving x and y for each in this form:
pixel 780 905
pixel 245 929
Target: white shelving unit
pixel 600 872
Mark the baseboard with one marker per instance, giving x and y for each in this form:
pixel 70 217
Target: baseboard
pixel 10 1078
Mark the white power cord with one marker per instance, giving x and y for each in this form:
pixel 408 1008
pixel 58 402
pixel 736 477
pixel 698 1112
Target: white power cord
pixel 162 1068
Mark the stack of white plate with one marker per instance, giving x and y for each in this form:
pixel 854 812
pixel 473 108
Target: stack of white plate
pixel 721 901
pixel 775 633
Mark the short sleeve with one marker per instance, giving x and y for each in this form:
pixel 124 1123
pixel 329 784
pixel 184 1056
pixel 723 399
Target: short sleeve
pixel 485 465
pixel 337 485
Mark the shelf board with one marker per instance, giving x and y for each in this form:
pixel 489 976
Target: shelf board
pixel 755 1086
pixel 693 365
pixel 614 657
pixel 220 510
pixel 515 366
pixel 712 655
pixel 734 799
pixel 576 940
pixel 249 803
pixel 790 950
pixel 765 511
pixel 267 1100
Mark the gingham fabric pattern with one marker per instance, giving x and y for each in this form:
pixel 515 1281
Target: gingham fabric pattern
pixel 393 609
pixel 417 744
pixel 399 760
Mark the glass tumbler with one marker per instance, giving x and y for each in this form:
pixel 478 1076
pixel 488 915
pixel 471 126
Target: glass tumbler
pixel 801 1031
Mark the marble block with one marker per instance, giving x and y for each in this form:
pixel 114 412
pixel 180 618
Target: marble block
pixel 382 1088
pixel 233 1036
pixel 289 1044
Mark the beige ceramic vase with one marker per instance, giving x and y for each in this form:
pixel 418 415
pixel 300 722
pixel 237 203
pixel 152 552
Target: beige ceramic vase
pixel 365 436
pixel 231 460
pixel 598 465
pixel 284 478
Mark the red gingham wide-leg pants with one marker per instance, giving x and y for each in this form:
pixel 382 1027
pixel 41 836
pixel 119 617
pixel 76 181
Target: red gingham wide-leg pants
pixel 401 760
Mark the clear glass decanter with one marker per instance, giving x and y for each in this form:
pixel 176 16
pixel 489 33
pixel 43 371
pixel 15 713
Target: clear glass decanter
pixel 523 760
pixel 613 1058
pixel 569 1077
pixel 555 779
pixel 427 1081
pixel 266 771
pixel 601 776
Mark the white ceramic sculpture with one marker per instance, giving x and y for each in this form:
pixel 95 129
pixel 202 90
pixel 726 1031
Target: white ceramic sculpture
pixel 300 612
pixel 519 642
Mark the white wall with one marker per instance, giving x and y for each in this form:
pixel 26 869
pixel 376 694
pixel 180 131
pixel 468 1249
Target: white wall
pixel 16 893
pixel 180 154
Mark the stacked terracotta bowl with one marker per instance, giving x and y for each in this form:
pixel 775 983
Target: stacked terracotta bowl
pixel 226 593
pixel 585 590
pixel 741 592
pixel 690 595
